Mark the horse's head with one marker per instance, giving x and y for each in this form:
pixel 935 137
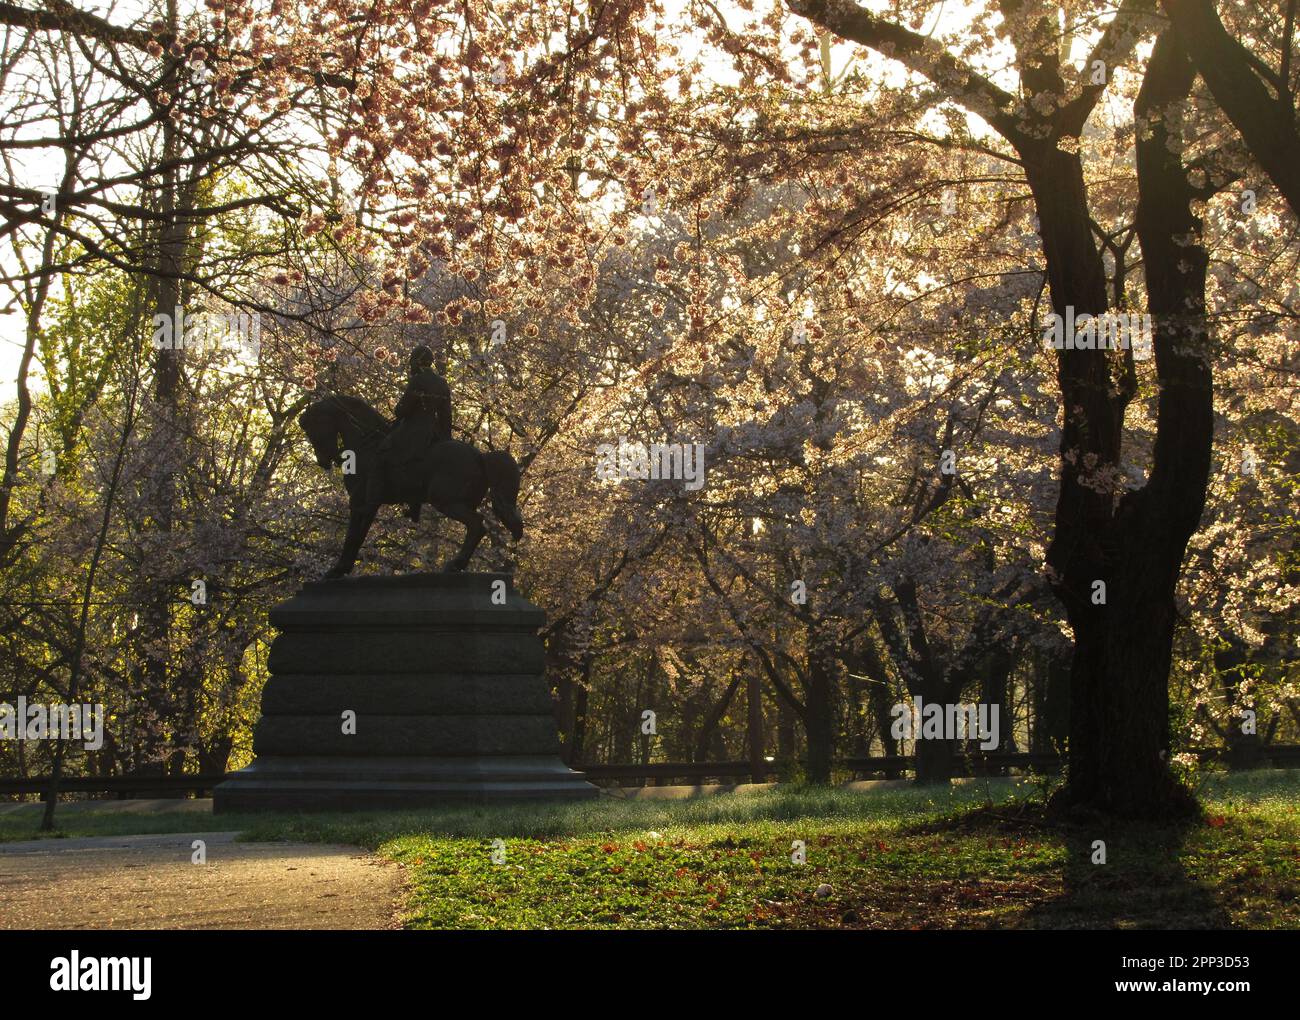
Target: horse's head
pixel 322 430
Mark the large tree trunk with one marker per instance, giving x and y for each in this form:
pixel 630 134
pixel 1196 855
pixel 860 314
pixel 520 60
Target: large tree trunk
pixel 1051 729
pixel 855 723
pixel 995 684
pixel 709 739
pixel 1119 719
pixel 1119 705
pixel 923 676
pixel 995 681
pixel 214 755
pixel 787 748
pixel 754 724
pixel 165 454
pixel 819 723
pixel 1245 750
pixel 936 760
pixel 867 661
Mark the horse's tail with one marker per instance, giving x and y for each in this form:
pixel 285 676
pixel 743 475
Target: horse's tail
pixel 503 482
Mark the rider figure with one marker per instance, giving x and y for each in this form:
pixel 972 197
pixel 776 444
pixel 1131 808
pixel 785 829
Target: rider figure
pixel 423 418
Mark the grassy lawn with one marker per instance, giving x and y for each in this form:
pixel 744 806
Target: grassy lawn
pixel 975 855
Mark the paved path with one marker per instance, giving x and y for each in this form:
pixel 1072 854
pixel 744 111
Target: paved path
pixel 151 882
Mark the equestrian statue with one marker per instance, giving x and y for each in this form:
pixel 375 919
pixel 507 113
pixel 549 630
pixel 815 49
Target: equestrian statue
pixel 411 461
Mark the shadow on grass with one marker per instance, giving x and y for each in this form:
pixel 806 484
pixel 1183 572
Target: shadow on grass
pixel 1142 884
pixel 1112 875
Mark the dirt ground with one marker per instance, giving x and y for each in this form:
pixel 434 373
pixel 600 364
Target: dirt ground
pixel 152 882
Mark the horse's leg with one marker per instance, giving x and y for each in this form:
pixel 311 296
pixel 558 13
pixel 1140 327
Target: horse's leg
pixel 358 527
pixel 474 532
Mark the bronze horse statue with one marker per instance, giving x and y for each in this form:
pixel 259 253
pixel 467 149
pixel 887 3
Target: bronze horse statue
pixel 452 477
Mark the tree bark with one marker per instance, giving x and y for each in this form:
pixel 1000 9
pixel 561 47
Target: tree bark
pixel 909 646
pixel 1267 124
pixel 787 747
pixel 754 725
pixel 1119 709
pixel 819 722
pixel 1051 730
pixel 995 682
pixel 709 726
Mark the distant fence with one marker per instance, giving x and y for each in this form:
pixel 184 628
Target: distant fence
pixel 877 765
pixel 1284 756
pixel 981 763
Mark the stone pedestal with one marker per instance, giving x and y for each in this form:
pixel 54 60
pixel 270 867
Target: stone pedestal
pixel 448 690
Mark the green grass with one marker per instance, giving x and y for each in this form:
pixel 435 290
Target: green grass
pixel 541 820
pixel 974 855
pixel 86 818
pixel 897 860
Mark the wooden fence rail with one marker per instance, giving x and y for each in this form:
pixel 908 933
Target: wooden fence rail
pixel 994 763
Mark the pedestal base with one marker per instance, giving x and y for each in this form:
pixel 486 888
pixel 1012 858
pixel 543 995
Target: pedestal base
pixel 403 692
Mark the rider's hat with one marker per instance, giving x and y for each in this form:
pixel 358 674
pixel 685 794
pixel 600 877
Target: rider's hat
pixel 421 358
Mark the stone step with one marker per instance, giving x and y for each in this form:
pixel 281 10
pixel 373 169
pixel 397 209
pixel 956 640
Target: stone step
pixel 406 694
pixel 407 734
pixel 382 650
pixel 351 784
